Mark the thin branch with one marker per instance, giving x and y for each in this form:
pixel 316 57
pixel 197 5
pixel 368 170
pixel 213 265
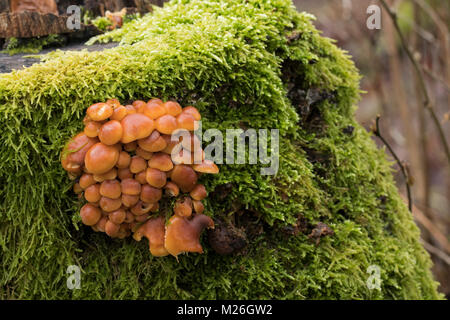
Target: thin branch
pixel 436 77
pixel 418 70
pixel 377 132
pixel 437 252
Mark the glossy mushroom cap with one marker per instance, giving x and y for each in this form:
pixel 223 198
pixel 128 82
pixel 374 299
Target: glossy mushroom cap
pixel 154 110
pixel 207 166
pixel 161 161
pixel 110 189
pixel 153 143
pixel 137 164
pixel 192 111
pixel 110 205
pixel 173 108
pixel 198 206
pixel 184 176
pixel 154 231
pixel 155 177
pixel 101 158
pixel 172 190
pixel 92 193
pixel 111 132
pixel 86 180
pixel 166 124
pixel 92 128
pixel 136 126
pixel 199 192
pixel 73 154
pixel 150 194
pixel 100 111
pixel 90 214
pixel 183 207
pixel 117 216
pixel 124 160
pixel 131 187
pixel 183 235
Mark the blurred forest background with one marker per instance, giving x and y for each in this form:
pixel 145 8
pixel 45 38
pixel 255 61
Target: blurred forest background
pixel 392 90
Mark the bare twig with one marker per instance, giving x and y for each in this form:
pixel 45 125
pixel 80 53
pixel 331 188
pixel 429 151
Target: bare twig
pixel 377 132
pixel 437 252
pixel 436 77
pixel 427 102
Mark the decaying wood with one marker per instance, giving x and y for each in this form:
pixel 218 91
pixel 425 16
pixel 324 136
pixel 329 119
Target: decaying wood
pixel 32 24
pixel 42 6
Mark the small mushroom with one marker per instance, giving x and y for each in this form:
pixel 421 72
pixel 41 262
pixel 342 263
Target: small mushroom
pixel 77 188
pixel 198 206
pixel 110 175
pixel 86 180
pixel 184 176
pixel 170 145
pixel 155 100
pixel 92 193
pixel 154 231
pixel 138 105
pixel 192 111
pixel 111 132
pixel 101 158
pixel 113 103
pixel 141 177
pixel 100 225
pixel 172 189
pixel 92 128
pixel 110 205
pixel 130 147
pixel 131 187
pixel 137 164
pixel 141 208
pixel 199 192
pixel 144 154
pixel 141 218
pixel 90 214
pixel 173 108
pixel 186 121
pixel 119 113
pixel 124 160
pixel 155 177
pixel 117 216
pixel 129 217
pixel 73 154
pixel 130 109
pixel 154 110
pixel 111 229
pixel 153 143
pixel 110 189
pixel 100 111
pixel 183 235
pixel 183 207
pixel 166 124
pixel 161 161
pixel 207 166
pixel 150 194
pixel 136 126
pixel 129 200
pixel 124 173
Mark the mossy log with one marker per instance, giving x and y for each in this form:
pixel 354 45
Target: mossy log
pixel 312 231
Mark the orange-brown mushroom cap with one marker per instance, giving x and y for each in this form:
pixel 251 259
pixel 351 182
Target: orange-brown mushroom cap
pixel 154 231
pixel 183 207
pixel 153 143
pixel 198 206
pixel 136 126
pixel 110 189
pixel 184 176
pixel 154 110
pixel 199 192
pixel 183 235
pixel 207 166
pixel 192 111
pixel 166 124
pixel 173 108
pixel 100 111
pixel 172 189
pixel 90 214
pixel 92 193
pixel 74 153
pixel 131 187
pixel 150 194
pixel 101 158
pixel 155 177
pixel 111 132
pixel 161 161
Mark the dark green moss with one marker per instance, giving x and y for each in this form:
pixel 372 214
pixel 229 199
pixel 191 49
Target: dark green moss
pixel 229 59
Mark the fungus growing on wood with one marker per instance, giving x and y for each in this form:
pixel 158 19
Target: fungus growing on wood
pixel 127 164
pixel 183 235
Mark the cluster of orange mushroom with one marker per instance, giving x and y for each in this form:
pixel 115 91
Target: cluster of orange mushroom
pixel 127 160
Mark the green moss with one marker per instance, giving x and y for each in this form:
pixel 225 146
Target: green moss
pixel 230 59
pixel 32 45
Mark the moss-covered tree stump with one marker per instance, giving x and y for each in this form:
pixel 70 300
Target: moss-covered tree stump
pixel 311 231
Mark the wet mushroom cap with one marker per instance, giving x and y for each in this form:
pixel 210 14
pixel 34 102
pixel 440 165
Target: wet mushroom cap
pixel 100 111
pixel 110 189
pixel 154 231
pixel 155 177
pixel 130 187
pixel 129 200
pixel 124 160
pixel 90 214
pixel 161 161
pixel 150 194
pixel 183 207
pixel 86 180
pixel 153 143
pixel 101 158
pixel 111 228
pixel 183 235
pixel 207 166
pixel 144 154
pixel 110 205
pixel 166 124
pixel 141 208
pixel 92 128
pixel 186 121
pixel 198 206
pixel 137 164
pixel 119 113
pixel 141 177
pixel 117 216
pixel 136 126
pixel 124 173
pixel 192 111
pixel 111 132
pixel 184 176
pixel 74 153
pixel 199 192
pixel 92 193
pixel 173 108
pixel 154 110
pixel 172 190
pixel 110 175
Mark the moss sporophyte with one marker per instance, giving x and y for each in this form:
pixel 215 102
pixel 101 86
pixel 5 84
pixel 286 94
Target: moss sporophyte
pixel 240 65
